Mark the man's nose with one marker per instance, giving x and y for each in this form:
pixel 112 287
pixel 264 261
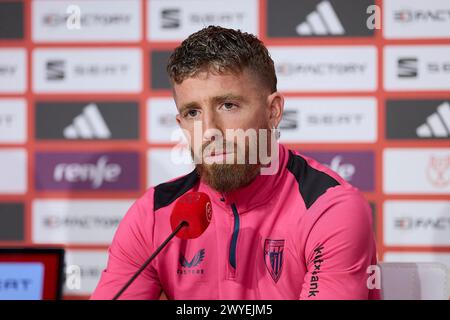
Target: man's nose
pixel 211 127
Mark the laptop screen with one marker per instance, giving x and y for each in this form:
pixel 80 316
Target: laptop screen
pixel 31 273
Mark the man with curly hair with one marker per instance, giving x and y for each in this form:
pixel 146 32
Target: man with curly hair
pixel 297 231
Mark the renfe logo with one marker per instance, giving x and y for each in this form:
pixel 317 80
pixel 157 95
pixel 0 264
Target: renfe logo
pixel 95 173
pixel 87 171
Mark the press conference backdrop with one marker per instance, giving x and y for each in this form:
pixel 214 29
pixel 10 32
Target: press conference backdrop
pixel 87 118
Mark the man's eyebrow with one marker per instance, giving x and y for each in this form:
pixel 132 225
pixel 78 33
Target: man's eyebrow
pixel 187 106
pixel 227 97
pixel 214 100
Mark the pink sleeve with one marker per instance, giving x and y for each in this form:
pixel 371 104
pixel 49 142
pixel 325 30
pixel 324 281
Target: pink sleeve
pixel 130 248
pixel 339 248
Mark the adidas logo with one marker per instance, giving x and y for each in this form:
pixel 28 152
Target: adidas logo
pixel 323 21
pixel 88 125
pixel 437 125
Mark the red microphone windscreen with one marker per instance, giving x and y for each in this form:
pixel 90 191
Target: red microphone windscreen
pixel 194 208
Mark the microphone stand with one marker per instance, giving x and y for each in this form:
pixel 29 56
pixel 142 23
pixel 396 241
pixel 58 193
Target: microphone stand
pixel 178 228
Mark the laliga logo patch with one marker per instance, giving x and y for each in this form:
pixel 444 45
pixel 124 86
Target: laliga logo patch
pixel 273 257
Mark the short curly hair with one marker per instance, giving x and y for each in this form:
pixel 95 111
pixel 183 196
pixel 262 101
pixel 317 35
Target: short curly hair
pixel 222 50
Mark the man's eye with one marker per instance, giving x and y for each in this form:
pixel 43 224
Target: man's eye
pixel 191 113
pixel 229 106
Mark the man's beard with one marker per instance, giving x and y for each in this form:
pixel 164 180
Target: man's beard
pixel 225 177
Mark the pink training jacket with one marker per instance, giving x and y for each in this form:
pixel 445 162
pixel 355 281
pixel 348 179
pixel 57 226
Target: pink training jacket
pixel 303 233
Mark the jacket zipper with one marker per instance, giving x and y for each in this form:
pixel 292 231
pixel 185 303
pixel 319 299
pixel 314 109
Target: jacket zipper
pixel 234 237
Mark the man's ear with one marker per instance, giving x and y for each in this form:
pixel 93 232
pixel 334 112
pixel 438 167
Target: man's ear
pixel 275 101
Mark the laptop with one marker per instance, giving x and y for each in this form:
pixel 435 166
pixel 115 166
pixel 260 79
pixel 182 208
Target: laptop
pixel 31 273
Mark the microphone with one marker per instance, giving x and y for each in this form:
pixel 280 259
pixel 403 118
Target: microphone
pixel 190 217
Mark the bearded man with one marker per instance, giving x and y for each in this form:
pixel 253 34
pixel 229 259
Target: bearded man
pixel 284 226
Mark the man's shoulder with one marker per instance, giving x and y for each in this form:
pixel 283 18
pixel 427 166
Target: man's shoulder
pixel 161 195
pixel 165 193
pixel 314 179
pixel 309 164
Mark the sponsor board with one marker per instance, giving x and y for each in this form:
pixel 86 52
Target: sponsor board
pixel 318 18
pixel 310 68
pixel 13 171
pixel 13 68
pixel 12 217
pixel 90 21
pixel 83 271
pixel 416 171
pixel 13 121
pixel 329 120
pixel 418 119
pixel 85 70
pixel 175 20
pixel 416 223
pixel 417 68
pixel 118 120
pixel 87 171
pixel 77 221
pixel 411 19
